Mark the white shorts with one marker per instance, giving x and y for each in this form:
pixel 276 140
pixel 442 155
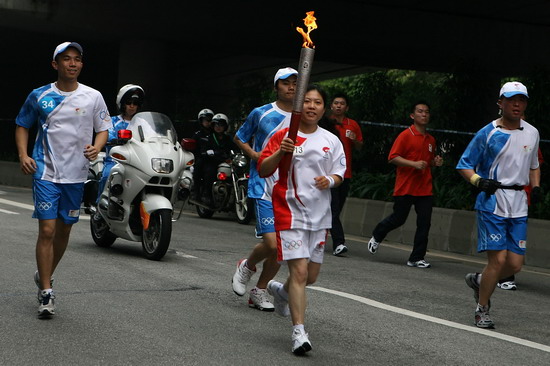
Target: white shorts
pixel 297 243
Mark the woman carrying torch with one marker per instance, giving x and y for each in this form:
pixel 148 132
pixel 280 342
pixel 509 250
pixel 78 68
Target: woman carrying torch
pixel 301 204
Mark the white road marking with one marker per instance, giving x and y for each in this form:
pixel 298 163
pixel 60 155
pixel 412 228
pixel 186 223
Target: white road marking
pixel 471 328
pixel 31 207
pixel 17 204
pixel 9 212
pixel 181 254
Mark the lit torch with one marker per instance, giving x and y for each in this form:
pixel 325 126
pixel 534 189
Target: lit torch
pixel 304 70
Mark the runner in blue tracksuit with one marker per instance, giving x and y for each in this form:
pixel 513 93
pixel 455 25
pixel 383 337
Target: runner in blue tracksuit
pixel 500 160
pixel 251 138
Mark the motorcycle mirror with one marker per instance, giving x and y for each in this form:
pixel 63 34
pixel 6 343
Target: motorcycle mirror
pixel 189 144
pixel 124 134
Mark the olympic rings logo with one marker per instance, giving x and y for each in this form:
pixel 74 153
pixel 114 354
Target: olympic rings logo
pixel 268 221
pixel 495 237
pixel 43 206
pixel 293 244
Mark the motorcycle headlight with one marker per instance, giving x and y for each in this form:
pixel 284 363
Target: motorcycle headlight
pixel 160 165
pixel 239 161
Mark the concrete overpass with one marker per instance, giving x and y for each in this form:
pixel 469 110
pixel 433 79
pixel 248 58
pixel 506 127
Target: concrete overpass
pixel 189 55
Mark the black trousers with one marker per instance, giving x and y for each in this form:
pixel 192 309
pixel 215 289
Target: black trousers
pixel 401 208
pixel 197 177
pixel 209 176
pixel 338 198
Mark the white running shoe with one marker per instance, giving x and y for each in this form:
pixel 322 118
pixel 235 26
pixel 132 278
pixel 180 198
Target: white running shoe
pixel 482 318
pixel 258 299
pixel 419 264
pixel 507 285
pixel 241 277
pixel 46 308
pixel 340 249
pixel 300 343
pixel 281 304
pixel 37 282
pixel 373 245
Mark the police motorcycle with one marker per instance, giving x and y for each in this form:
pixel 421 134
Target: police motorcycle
pixel 230 189
pixel 137 202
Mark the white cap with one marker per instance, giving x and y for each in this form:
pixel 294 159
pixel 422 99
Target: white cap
pixel 512 88
pixel 284 74
pixel 63 46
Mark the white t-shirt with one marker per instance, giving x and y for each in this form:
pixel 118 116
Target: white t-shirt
pixel 66 121
pixel 297 203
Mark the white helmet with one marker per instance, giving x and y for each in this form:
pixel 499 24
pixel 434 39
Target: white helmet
pixel 221 119
pixel 129 91
pixel 204 113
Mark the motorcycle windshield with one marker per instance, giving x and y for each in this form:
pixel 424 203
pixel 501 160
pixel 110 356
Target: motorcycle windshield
pixel 153 125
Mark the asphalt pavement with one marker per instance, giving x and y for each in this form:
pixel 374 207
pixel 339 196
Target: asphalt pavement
pixel 114 307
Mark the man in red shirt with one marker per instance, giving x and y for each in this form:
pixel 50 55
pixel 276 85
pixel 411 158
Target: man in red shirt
pixel 413 152
pixel 351 137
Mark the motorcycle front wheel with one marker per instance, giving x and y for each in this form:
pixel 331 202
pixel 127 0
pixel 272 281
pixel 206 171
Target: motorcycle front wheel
pixel 242 209
pixel 101 234
pixel 156 239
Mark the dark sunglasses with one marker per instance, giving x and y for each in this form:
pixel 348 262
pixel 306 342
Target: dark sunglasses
pixel 134 102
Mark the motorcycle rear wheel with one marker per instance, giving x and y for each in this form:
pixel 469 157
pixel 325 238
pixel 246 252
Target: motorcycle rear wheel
pixel 156 239
pixel 204 212
pixel 101 234
pixel 242 207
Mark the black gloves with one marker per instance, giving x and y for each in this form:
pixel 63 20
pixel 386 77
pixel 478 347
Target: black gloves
pixel 488 186
pixel 536 195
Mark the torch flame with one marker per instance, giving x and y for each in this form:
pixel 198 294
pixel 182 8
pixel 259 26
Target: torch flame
pixel 309 21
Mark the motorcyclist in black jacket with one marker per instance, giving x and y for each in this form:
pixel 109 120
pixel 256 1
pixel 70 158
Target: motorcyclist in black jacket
pixel 201 138
pixel 216 149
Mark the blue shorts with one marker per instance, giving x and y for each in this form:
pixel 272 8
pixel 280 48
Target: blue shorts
pixel 57 200
pixel 265 219
pixel 501 233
